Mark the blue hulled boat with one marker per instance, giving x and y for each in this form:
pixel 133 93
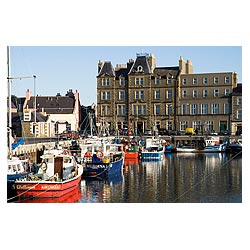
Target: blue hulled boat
pixel 103 160
pixel 154 150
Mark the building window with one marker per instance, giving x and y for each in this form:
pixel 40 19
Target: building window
pixel 121 95
pixel 216 92
pixel 216 80
pixel 169 94
pixel 215 108
pixel 157 109
pixel 227 92
pixel 195 80
pixel 105 110
pixel 184 109
pixel 195 93
pixel 205 93
pixel 227 79
pixel 121 110
pixel 210 125
pixel 27 116
pixel 139 95
pixel 157 94
pixel 139 81
pixel 239 114
pixel 226 108
pixel 204 108
pixel 184 81
pixel 105 82
pixel 139 110
pixel 184 93
pixel 169 80
pixel 183 125
pixel 105 95
pixel 122 81
pixel 205 80
pixel 194 109
pixel 239 101
pixel 169 109
pixel 169 125
pixel 197 125
pixel 157 81
pixel 139 68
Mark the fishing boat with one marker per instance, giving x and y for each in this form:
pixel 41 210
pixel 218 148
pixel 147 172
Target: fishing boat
pixel 58 174
pixel 131 148
pixel 103 159
pixel 210 145
pixel 235 145
pixel 153 150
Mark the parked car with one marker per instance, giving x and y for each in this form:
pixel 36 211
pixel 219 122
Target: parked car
pixel 213 132
pixel 224 132
pixel 173 132
pixel 162 131
pixel 147 132
pixel 69 134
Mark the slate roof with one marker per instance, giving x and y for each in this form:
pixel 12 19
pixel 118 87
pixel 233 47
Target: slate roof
pixel 123 72
pixel 39 117
pixel 53 104
pixel 238 90
pixel 140 61
pixel 163 71
pixel 107 69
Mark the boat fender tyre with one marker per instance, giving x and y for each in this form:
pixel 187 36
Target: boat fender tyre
pixel 100 154
pixel 44 166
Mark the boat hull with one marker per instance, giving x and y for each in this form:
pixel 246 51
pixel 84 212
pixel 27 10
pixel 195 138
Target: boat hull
pixel 46 189
pixel 71 197
pixel 131 155
pixel 208 149
pixel 152 155
pixel 235 148
pixel 103 169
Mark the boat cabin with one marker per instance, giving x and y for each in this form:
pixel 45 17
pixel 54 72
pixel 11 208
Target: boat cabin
pixel 61 164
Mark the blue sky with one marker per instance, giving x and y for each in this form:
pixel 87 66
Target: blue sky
pixel 60 68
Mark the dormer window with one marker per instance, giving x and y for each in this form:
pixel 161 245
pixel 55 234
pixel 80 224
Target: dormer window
pixel 139 68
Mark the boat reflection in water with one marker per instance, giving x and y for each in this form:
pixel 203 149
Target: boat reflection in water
pixel 178 178
pixel 98 189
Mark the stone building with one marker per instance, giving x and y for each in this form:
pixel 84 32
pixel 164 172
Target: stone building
pixel 141 96
pixel 53 115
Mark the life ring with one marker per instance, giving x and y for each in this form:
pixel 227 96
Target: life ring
pixel 100 154
pixel 87 154
pixel 66 152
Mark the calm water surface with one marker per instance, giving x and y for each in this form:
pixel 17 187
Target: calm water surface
pixel 185 178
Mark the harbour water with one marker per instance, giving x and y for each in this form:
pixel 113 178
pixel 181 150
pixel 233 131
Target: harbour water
pixel 183 178
pixel 178 178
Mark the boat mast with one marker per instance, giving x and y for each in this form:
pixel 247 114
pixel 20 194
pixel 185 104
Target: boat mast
pixel 91 125
pixel 9 95
pixel 9 77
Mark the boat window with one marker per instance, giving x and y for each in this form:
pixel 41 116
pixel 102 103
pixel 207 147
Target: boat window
pixel 18 167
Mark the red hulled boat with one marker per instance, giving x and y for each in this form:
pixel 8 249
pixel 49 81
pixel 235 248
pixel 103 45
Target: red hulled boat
pixel 59 174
